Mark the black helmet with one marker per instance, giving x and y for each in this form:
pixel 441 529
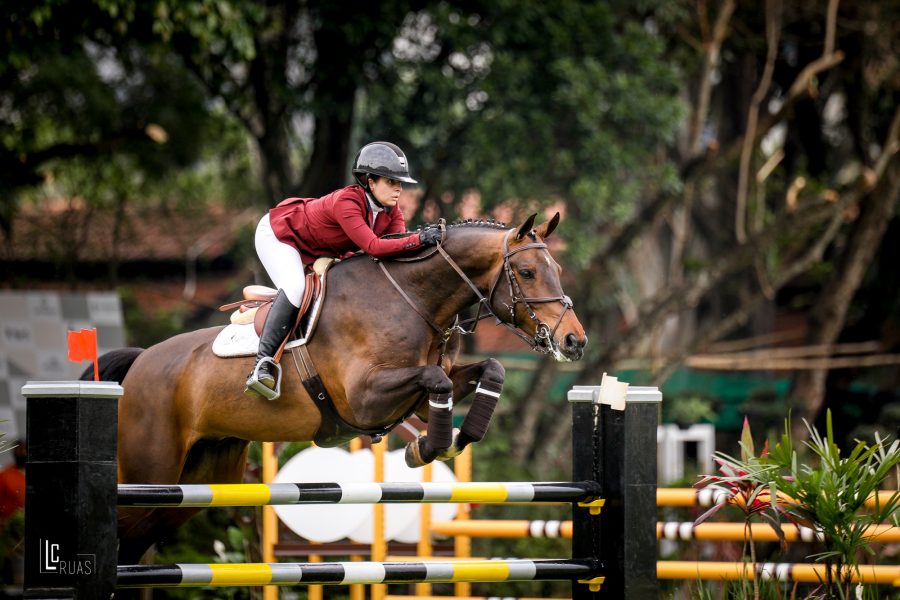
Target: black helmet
pixel 382 158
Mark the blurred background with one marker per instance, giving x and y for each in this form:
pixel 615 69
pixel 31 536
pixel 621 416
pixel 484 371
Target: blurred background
pixel 728 175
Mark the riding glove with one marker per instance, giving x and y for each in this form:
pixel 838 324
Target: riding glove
pixel 430 236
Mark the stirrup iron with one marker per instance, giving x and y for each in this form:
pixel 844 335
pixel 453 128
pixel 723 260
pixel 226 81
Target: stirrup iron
pixel 253 382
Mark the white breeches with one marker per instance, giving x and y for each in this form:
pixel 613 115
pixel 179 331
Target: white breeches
pixel 282 262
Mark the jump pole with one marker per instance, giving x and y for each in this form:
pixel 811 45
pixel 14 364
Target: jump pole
pixel 715 494
pixel 72 486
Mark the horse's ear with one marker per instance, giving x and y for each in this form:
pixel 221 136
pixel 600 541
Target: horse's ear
pixel 526 227
pixel 547 228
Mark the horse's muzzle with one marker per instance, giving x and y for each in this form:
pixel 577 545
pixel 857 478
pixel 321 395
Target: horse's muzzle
pixel 573 346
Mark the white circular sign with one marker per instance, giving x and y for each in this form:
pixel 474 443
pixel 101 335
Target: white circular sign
pixel 401 521
pixel 440 473
pixel 323 522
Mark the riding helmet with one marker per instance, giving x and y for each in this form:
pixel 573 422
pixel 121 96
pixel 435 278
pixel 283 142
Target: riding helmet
pixel 384 159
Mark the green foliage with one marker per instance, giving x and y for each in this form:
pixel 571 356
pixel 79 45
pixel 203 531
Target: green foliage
pixel 687 410
pixel 534 102
pixel 748 480
pixel 12 530
pixel 215 25
pixel 148 329
pixel 12 546
pixel 726 590
pixel 214 536
pixel 828 496
pixel 108 117
pixel 832 495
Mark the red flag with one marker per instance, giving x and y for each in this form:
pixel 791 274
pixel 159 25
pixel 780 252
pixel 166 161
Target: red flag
pixel 83 346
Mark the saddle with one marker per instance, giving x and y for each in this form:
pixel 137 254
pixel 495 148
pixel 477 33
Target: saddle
pixel 257 300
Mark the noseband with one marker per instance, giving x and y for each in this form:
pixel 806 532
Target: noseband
pixel 542 341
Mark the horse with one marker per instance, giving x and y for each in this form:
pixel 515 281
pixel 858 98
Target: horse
pixel 384 347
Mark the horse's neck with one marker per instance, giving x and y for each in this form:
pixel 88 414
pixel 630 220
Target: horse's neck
pixel 444 292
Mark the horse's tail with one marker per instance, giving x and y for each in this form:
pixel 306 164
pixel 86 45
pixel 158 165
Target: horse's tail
pixel 113 365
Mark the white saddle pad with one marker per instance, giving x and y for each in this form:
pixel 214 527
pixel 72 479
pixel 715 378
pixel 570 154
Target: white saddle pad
pixel 241 340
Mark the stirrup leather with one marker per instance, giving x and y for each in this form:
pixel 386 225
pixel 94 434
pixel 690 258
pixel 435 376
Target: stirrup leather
pixel 253 382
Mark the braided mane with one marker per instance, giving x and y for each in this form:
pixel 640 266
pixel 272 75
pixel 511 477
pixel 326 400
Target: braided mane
pixel 489 223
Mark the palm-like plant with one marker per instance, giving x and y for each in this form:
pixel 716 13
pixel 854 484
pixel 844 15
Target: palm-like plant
pixel 833 494
pixel 828 497
pixel 750 483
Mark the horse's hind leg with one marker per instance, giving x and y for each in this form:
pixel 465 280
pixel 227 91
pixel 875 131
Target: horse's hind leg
pixel 148 453
pixel 219 461
pixel 150 526
pixel 216 461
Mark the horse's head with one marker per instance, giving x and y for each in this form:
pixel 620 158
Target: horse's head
pixel 527 293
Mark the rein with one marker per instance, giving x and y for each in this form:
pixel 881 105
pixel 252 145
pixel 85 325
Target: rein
pixel 542 341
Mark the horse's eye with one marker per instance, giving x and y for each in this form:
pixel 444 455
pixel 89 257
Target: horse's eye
pixel 526 273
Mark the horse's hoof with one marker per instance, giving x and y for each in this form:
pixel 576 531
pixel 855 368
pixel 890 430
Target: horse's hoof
pixel 413 456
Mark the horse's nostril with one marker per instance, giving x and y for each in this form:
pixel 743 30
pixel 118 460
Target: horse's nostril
pixel 573 342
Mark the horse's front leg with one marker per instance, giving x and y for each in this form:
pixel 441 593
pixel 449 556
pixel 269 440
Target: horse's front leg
pixel 438 414
pixel 436 409
pixel 486 380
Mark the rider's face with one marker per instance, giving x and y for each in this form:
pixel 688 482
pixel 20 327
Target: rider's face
pixel 385 190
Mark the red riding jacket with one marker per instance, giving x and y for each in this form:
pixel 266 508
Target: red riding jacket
pixel 339 223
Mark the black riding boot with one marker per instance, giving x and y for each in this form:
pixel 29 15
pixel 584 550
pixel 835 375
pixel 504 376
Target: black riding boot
pixel 278 324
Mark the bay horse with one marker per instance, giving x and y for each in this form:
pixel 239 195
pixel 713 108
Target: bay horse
pixel 385 347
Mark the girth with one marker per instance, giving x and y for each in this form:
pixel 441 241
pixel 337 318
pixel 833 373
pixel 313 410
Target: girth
pixel 333 429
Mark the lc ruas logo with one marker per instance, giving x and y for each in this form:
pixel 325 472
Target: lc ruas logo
pixel 52 561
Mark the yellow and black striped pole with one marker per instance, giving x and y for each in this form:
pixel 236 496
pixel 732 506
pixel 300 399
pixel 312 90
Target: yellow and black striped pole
pixel 345 573
pixel 263 494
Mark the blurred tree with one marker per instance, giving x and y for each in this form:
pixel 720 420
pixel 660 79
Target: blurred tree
pixel 815 139
pixel 532 104
pixel 92 122
pixel 711 156
pixel 715 160
pixel 288 71
pixel 778 184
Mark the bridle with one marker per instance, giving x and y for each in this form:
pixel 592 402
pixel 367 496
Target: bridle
pixel 541 341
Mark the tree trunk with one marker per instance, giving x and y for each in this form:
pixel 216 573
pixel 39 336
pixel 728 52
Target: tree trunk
pixel 327 166
pixel 345 44
pixel 829 314
pixel 269 118
pixel 276 173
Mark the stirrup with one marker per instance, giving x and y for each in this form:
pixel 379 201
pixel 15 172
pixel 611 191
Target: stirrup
pixel 254 384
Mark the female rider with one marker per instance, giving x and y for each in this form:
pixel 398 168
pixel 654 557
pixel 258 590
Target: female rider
pixel 299 230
